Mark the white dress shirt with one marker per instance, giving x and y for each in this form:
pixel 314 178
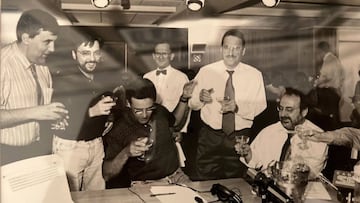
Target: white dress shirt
pixel 267 146
pixel 249 94
pixel 169 87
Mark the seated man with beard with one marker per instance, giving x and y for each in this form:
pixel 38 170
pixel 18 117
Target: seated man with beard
pixel 279 141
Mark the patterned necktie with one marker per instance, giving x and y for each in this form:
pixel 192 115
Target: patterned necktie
pixel 158 72
pixel 228 119
pixel 285 153
pixel 40 99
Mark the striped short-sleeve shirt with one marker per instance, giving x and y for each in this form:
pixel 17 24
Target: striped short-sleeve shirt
pixel 18 90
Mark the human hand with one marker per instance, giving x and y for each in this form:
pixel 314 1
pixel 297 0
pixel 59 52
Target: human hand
pixel 52 111
pixel 205 95
pixel 244 150
pixel 138 147
pixel 188 89
pixel 303 133
pixel 177 136
pixel 103 107
pixel 60 124
pixel 227 105
pixel 317 136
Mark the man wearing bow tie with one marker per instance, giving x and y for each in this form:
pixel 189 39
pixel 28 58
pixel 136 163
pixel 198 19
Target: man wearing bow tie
pixel 168 81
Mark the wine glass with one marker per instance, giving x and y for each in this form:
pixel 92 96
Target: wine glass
pixel 242 140
pixel 60 123
pixel 146 156
pixel 303 134
pixel 222 100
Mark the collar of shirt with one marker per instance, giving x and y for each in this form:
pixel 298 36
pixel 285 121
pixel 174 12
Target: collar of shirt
pixel 167 68
pixel 327 55
pixel 229 70
pixel 235 69
pixel 22 56
pixel 90 77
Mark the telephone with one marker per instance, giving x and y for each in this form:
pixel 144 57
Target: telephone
pixel 224 194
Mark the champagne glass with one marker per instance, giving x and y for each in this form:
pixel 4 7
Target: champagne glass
pixel 60 123
pixel 146 156
pixel 222 100
pixel 303 133
pixel 242 140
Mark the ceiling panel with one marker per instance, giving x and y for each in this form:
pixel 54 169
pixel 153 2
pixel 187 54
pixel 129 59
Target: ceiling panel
pixel 155 12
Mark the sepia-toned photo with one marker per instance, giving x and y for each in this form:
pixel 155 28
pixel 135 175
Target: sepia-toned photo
pixel 188 101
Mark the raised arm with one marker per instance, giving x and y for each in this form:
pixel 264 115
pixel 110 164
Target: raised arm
pixel 346 136
pixel 182 108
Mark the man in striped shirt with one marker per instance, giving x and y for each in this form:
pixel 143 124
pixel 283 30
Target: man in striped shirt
pixel 26 88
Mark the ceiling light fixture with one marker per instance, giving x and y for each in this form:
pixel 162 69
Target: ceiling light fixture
pixel 195 5
pixel 100 3
pixel 270 3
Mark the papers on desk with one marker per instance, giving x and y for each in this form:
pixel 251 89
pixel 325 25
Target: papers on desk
pixel 175 194
pixel 316 190
pixel 37 180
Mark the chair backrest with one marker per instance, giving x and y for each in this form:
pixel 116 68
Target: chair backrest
pixel 38 180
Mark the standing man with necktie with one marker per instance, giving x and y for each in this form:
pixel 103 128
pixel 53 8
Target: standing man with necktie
pixel 279 141
pixel 229 94
pixel 26 88
pixel 169 84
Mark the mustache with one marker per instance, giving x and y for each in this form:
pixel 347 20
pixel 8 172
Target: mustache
pixel 284 118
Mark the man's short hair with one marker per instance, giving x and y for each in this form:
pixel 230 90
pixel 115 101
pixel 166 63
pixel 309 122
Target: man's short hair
pixel 78 37
pixel 236 33
pixel 294 92
pixel 32 21
pixel 324 46
pixel 141 89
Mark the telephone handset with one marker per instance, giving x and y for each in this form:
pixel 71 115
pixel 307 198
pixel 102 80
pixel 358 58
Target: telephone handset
pixel 224 194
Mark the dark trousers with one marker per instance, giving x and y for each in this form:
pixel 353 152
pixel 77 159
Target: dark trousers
pixel 216 156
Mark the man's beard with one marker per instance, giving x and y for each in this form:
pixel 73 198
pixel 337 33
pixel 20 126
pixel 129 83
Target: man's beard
pixel 287 123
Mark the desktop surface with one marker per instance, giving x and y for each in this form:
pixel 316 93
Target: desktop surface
pixel 143 193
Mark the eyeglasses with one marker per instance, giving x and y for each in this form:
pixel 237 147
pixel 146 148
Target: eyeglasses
pixel 143 111
pixel 233 48
pixel 286 109
pixel 162 54
pixel 88 53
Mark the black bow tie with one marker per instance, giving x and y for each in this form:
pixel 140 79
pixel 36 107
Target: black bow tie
pixel 158 72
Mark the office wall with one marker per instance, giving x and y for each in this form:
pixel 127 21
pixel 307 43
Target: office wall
pixel 349 54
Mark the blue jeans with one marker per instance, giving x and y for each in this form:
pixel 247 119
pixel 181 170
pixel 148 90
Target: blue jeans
pixel 82 161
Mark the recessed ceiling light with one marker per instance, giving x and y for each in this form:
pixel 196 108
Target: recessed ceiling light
pixel 270 3
pixel 100 3
pixel 195 5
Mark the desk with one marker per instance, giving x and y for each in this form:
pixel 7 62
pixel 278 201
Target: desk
pixel 124 195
